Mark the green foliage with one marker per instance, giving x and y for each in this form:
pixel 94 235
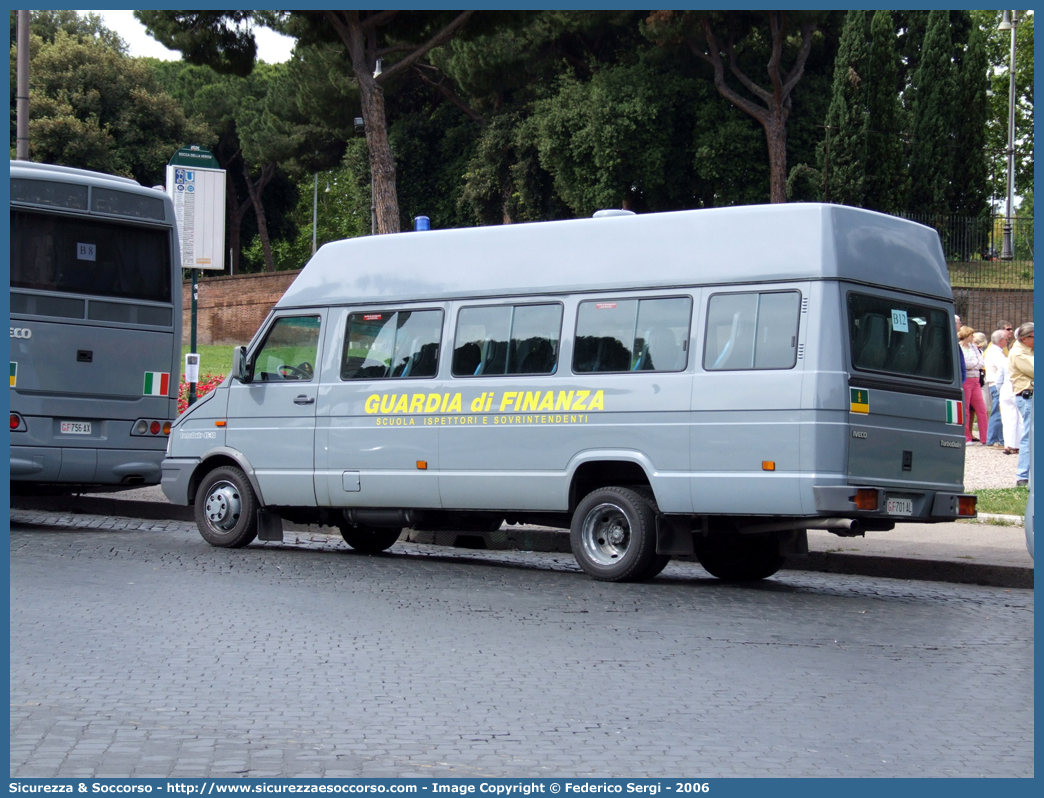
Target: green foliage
pixel 970 180
pixel 933 120
pixel 843 158
pixel 343 210
pixel 222 40
pixel 95 108
pixel 885 149
pixel 46 25
pixel 617 140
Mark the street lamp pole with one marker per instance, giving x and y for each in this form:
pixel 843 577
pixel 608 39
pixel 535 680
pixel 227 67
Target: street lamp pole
pixel 315 210
pixel 1007 251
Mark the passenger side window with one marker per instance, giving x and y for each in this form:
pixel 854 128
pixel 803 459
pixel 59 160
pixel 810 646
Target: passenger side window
pixel 632 335
pixel 752 331
pixel 507 339
pixel 289 350
pixel 395 345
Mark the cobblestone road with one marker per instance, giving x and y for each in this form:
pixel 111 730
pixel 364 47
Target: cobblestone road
pixel 136 649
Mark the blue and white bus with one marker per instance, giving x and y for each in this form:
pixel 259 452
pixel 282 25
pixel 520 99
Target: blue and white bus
pixel 95 329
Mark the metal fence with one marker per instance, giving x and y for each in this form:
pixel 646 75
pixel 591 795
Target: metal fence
pixel 973 246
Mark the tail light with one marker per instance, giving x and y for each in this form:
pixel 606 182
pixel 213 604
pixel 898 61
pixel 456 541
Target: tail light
pixel 866 499
pixel 966 506
pixel 150 426
pixel 17 424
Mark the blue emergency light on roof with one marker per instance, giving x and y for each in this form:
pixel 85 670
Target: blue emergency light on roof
pixel 422 223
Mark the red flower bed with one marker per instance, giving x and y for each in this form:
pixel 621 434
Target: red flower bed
pixel 207 383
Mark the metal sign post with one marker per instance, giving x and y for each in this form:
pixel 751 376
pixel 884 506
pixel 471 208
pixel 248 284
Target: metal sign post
pixel 196 184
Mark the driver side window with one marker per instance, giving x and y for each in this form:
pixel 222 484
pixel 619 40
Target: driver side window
pixel 289 350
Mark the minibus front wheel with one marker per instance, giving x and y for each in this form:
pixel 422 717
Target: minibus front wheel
pixel 613 536
pixel 226 508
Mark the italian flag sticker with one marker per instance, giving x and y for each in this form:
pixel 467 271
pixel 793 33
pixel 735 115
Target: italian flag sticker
pixel 157 383
pixel 859 399
pixel 954 412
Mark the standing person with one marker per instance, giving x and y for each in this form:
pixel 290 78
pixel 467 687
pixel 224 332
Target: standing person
pixel 1009 335
pixel 973 404
pixel 1021 360
pixel 996 363
pixel 982 342
pixel 1011 422
pixel 960 360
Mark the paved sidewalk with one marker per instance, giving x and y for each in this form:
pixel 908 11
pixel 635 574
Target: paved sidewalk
pixel 964 552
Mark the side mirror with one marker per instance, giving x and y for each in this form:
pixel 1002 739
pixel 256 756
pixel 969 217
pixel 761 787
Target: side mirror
pixel 240 367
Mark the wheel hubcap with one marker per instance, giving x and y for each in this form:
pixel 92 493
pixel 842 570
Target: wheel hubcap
pixel 223 506
pixel 606 534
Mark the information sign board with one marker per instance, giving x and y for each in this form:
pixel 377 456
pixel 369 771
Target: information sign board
pixel 196 184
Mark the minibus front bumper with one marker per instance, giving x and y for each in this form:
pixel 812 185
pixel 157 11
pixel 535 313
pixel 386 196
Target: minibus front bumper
pixel 900 505
pixel 177 478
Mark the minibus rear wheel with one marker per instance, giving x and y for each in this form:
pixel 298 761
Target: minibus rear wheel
pixel 737 557
pixel 613 536
pixel 369 539
pixel 226 508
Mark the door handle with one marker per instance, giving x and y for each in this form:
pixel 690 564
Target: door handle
pixel 304 400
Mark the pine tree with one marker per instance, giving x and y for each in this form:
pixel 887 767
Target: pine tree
pixel 842 158
pixel 885 149
pixel 933 123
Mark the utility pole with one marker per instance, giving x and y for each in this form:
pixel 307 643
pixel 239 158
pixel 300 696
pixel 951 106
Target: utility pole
pixel 22 90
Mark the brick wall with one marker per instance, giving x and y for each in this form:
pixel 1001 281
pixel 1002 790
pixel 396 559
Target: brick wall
pixel 230 309
pixel 982 308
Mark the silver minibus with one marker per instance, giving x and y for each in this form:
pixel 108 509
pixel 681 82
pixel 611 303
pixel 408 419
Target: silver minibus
pixel 711 382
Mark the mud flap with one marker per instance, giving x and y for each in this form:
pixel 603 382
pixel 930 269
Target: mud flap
pixel 674 535
pixel 793 543
pixel 269 525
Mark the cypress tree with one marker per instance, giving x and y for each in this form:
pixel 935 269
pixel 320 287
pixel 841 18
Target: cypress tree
pixel 971 177
pixel 885 150
pixel 932 124
pixel 843 155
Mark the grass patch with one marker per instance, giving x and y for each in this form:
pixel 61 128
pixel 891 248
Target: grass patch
pixel 1003 501
pixel 212 359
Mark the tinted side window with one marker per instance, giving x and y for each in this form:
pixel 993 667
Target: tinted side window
pixel 632 335
pixel 507 339
pixel 400 344
pixel 289 350
pixel 752 331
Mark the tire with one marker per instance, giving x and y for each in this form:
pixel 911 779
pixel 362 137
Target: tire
pixel 613 536
pixel 739 558
pixel 370 539
pixel 226 508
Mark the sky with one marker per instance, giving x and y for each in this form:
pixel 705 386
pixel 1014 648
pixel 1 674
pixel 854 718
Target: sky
pixel 272 47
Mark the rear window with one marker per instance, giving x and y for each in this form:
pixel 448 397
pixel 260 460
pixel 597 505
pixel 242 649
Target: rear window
pixel 898 337
pixel 85 256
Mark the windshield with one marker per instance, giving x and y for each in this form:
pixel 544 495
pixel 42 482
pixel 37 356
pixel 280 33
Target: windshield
pixel 87 256
pixel 899 337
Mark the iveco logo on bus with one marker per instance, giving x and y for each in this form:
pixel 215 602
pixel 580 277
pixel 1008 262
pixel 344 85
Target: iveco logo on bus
pixel 21 332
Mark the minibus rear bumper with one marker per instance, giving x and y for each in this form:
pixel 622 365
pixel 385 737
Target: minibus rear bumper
pixel 893 504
